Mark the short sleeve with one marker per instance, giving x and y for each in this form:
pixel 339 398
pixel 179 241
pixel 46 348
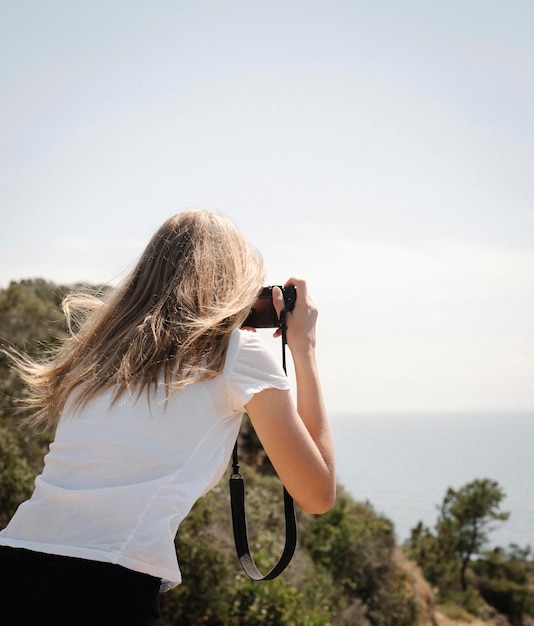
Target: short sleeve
pixel 251 367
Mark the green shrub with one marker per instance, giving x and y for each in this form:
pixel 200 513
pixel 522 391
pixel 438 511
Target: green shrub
pixel 504 582
pixel 508 597
pixel 202 598
pixel 16 476
pixel 355 545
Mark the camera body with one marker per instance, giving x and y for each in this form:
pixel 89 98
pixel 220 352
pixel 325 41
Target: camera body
pixel 263 313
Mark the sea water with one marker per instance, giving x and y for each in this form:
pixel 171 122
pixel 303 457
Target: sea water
pixel 403 465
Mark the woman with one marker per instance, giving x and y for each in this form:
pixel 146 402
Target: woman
pixel 146 399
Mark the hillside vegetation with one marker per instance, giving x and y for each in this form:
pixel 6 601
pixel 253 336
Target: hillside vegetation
pixel 348 569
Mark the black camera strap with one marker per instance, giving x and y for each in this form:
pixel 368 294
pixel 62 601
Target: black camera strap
pixel 237 499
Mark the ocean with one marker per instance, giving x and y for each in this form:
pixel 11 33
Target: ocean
pixel 403 464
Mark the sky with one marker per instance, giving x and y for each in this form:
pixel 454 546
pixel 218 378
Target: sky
pixel 382 150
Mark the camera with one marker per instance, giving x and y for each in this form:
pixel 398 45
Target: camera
pixel 263 313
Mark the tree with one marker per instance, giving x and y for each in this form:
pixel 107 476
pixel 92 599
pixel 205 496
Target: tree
pixel 466 517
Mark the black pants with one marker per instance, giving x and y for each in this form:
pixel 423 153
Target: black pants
pixel 40 589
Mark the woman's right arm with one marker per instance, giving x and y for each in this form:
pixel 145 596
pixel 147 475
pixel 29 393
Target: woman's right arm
pixel 297 438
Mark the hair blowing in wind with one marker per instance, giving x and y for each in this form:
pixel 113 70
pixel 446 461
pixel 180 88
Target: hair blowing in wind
pixel 194 283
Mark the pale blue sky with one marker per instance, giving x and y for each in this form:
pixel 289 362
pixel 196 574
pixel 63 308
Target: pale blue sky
pixel 384 150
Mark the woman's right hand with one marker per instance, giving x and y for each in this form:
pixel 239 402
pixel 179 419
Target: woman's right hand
pixel 301 320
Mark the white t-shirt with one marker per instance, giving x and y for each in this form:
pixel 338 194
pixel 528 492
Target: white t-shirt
pixel 118 481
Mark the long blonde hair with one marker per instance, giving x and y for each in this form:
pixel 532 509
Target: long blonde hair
pixel 170 319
